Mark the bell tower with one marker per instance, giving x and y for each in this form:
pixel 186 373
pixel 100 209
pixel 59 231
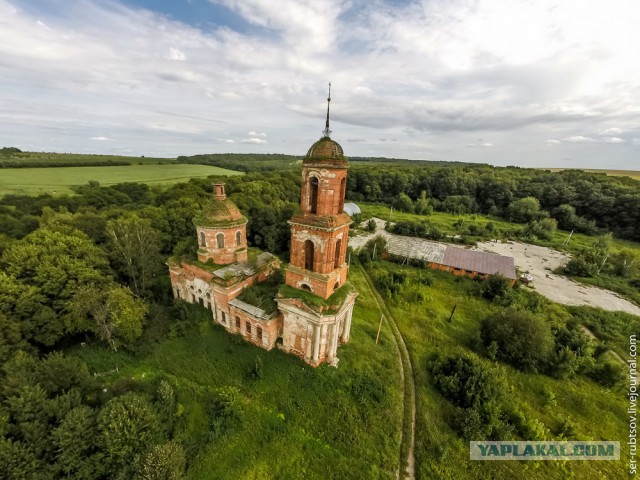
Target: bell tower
pixel 319 237
pixel 319 231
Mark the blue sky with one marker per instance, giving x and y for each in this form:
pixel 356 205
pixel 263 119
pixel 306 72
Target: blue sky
pixel 539 83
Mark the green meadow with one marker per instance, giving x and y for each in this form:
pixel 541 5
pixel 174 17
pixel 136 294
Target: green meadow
pixel 591 411
pixel 294 421
pixel 59 180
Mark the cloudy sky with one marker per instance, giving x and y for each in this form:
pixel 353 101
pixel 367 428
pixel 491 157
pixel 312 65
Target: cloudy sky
pixel 539 83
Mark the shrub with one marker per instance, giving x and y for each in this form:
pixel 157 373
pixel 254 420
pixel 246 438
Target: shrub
pixel 608 372
pixel 476 392
pixel 523 340
pixel 496 285
pixel 371 225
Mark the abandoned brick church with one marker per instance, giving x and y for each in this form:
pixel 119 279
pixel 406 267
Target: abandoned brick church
pixel 312 311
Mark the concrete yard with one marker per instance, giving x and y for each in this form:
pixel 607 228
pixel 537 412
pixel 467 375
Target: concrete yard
pixel 541 261
pixel 537 261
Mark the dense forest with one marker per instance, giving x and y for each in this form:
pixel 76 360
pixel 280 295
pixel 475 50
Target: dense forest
pixel 578 200
pixel 89 268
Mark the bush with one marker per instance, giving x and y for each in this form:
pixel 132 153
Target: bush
pixel 371 225
pixel 608 372
pixel 496 285
pixel 523 340
pixel 476 393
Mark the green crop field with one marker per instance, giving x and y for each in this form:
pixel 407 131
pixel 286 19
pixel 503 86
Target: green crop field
pixel 35 181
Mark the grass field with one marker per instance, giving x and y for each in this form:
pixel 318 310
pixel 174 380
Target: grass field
pixel 296 421
pixel 596 413
pixel 34 181
pixel 614 173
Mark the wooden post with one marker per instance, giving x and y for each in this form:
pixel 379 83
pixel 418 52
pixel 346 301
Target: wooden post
pixel 452 312
pixel 566 240
pixel 603 262
pixel 379 327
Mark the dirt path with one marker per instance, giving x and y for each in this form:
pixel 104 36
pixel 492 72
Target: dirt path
pixel 541 261
pixel 406 470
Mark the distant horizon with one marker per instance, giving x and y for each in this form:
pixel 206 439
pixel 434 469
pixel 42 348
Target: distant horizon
pixel 604 170
pixel 503 82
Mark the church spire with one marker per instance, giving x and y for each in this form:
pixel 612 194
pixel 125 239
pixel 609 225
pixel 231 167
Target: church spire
pixel 326 131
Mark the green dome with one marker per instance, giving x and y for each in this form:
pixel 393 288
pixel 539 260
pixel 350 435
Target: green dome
pixel 326 148
pixel 219 212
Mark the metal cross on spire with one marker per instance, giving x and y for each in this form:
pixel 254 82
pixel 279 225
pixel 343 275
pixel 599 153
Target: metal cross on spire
pixel 326 131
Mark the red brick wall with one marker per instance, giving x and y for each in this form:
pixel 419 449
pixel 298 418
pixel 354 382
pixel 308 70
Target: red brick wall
pixel 330 195
pixel 230 253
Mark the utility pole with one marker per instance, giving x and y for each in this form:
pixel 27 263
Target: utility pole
pixel 603 262
pixel 566 240
pixel 379 327
pixel 452 312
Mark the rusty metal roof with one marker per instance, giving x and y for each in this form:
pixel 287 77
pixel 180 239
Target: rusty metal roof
pixel 481 262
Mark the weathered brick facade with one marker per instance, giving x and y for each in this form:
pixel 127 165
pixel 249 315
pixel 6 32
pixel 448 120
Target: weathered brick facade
pixel 221 230
pixel 319 237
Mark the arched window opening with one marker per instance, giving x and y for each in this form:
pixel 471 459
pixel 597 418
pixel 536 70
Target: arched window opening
pixel 248 325
pixel 203 239
pixel 343 192
pixel 220 239
pixel 259 333
pixel 313 195
pixel 336 286
pixel 238 238
pixel 308 255
pixel 304 286
pixel 336 262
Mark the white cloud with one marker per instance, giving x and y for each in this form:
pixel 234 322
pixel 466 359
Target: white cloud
pixel 229 140
pixel 176 54
pixel 254 140
pixel 480 143
pixel 578 139
pixel 431 74
pixel 99 139
pixel 611 131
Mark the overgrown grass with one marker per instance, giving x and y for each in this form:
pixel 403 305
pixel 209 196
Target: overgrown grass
pixel 594 412
pixel 35 181
pixel 316 302
pixel 296 421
